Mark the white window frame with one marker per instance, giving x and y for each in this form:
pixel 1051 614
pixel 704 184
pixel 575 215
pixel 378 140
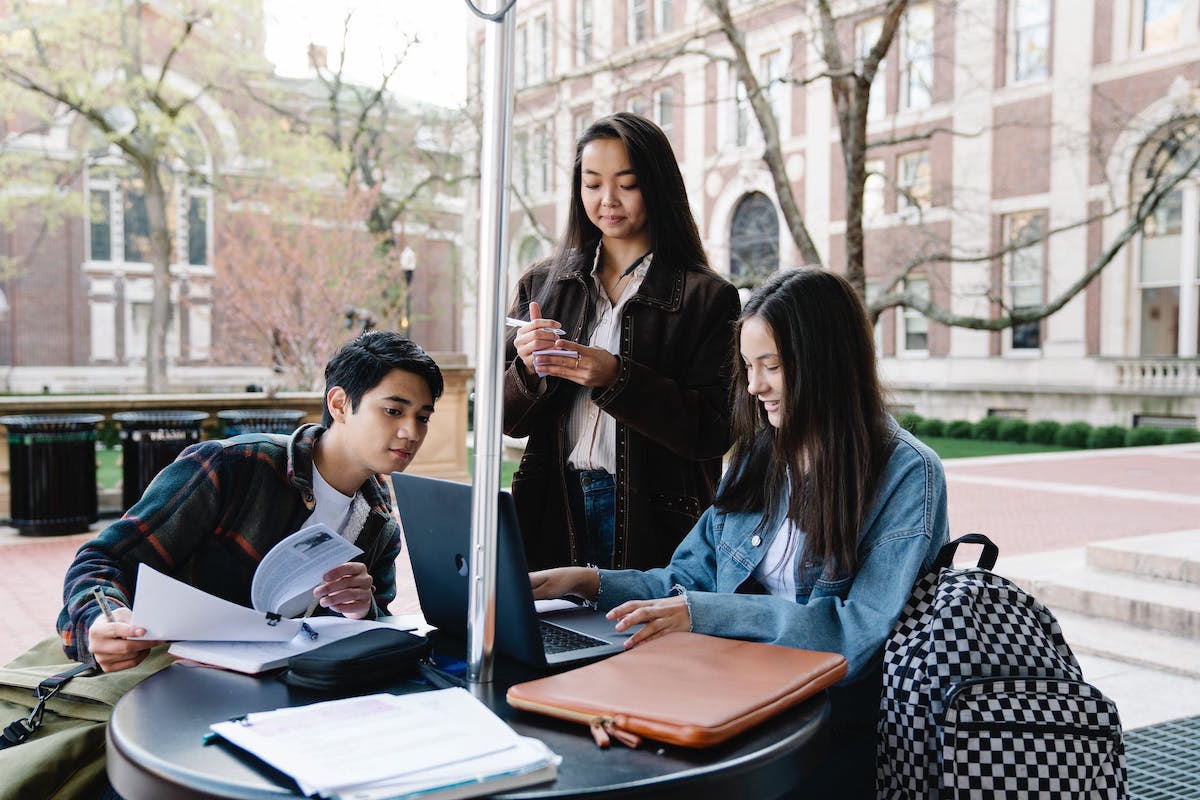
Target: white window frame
pixel 1034 252
pixel 664 109
pixel 909 180
pixel 771 70
pixel 1021 31
pixel 539 66
pixel 638 21
pixel 585 31
pixel 1185 33
pixel 875 187
pixel 521 57
pixel 741 113
pixel 664 16
pixel 866 33
pixel 916 59
pixel 912 318
pixel 1187 279
pixel 543 183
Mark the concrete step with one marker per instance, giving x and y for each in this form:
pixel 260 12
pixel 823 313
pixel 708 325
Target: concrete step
pixel 1171 556
pixel 1064 581
pixel 1131 644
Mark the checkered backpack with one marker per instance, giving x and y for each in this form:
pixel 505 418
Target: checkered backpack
pixel 982 697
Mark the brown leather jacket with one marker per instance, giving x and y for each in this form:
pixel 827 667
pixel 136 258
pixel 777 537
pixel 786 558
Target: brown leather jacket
pixel 671 404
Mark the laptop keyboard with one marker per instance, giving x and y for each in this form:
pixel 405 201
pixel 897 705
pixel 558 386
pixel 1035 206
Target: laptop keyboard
pixel 561 640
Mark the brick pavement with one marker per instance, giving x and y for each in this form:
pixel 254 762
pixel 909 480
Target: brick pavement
pixel 1026 504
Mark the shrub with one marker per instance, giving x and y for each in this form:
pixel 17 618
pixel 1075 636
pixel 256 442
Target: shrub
pixel 1106 436
pixel 1141 437
pixel 1182 435
pixel 1013 430
pixel 1042 431
pixel 1073 434
pixel 107 434
pixel 987 429
pixel 909 421
pixel 931 427
pixel 959 429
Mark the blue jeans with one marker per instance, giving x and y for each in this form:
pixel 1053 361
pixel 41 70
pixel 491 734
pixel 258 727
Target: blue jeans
pixel 592 494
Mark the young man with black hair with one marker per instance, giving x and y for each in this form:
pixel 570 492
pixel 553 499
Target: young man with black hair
pixel 210 517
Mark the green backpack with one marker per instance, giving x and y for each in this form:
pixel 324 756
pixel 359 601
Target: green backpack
pixel 63 757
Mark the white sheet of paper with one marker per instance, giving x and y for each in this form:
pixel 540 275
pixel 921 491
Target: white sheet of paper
pixel 546 606
pixel 169 610
pixel 379 737
pixel 285 578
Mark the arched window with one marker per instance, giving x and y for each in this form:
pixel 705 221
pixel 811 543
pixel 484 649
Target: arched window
pixel 1169 263
pixel 753 240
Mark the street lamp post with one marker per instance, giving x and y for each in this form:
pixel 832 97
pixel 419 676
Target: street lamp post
pixel 408 263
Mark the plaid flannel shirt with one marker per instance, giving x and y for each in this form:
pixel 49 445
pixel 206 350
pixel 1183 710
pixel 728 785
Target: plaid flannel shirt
pixel 209 518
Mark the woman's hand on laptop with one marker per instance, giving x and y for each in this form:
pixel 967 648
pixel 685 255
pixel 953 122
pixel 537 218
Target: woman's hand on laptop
pixel 655 616
pixel 550 584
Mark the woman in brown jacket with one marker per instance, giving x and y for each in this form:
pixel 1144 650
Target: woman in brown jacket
pixel 629 416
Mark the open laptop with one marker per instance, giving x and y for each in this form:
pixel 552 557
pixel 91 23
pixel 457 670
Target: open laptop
pixel 437 532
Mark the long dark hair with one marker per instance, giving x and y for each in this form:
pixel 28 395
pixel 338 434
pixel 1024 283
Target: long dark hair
pixel 833 436
pixel 674 238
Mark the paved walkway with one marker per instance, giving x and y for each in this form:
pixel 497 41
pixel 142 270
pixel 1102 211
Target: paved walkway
pixel 1026 504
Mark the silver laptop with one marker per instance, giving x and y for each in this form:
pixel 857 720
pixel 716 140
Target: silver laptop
pixel 437 533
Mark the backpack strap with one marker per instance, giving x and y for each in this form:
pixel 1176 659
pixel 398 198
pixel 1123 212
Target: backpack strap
pixel 19 730
pixel 987 558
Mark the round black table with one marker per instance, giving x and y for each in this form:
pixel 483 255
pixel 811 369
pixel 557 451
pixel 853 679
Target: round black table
pixel 155 747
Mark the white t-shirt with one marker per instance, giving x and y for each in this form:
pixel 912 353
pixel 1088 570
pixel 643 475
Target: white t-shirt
pixel 332 507
pixel 777 571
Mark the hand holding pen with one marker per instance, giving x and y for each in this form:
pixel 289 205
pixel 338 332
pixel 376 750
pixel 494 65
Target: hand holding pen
pixel 111 637
pixel 537 335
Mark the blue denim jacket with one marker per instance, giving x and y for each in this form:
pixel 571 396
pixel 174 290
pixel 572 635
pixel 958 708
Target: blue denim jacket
pixel 903 531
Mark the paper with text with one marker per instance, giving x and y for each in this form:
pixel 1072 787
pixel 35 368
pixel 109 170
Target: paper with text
pixel 380 737
pixel 285 578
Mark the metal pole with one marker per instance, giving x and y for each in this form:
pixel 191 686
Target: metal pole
pixel 494 170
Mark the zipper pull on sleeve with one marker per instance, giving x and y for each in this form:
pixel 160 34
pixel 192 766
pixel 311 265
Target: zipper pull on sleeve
pixel 630 740
pixel 599 734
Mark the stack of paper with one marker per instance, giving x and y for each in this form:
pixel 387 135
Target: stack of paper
pixel 438 745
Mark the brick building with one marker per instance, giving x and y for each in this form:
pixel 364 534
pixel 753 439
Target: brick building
pixel 76 297
pixel 1014 135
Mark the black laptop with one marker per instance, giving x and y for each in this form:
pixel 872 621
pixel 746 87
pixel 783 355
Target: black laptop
pixel 437 533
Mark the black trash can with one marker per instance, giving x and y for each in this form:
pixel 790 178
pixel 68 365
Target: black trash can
pixel 52 472
pixel 150 440
pixel 260 420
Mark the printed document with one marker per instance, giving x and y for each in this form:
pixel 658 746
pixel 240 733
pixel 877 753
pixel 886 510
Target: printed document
pixel 282 587
pixel 414 742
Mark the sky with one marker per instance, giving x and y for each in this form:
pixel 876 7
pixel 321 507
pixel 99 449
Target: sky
pixel 434 69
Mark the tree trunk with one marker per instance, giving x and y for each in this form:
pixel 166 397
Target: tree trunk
pixel 157 204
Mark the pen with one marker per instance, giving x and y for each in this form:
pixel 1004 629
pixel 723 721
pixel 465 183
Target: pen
pixel 513 322
pixel 102 601
pixel 312 634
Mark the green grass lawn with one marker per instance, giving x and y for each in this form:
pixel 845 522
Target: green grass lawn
pixel 947 448
pixel 108 468
pixel 507 468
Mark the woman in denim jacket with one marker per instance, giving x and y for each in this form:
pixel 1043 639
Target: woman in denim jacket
pixel 828 515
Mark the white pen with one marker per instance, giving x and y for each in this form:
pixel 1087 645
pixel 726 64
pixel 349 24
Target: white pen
pixel 513 322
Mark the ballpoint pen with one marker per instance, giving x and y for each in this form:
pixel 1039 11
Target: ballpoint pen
pixel 513 322
pixel 102 601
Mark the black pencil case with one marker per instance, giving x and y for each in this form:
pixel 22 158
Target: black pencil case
pixel 369 658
